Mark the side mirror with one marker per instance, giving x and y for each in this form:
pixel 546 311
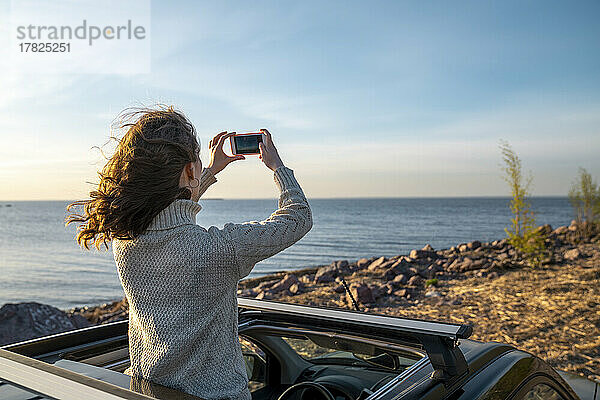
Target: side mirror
pixel 256 367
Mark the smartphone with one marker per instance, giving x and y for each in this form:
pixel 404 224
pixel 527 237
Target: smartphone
pixel 246 143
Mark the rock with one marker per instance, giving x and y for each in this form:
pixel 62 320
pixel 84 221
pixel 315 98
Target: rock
pixel 265 284
pixel 400 280
pixel 79 321
pixel 343 264
pixel 362 263
pixel 427 248
pixel 402 293
pixel 474 245
pixel 544 229
pixel 415 280
pixel 454 265
pixel 264 295
pixel 462 248
pixel 339 289
pixel 560 230
pixel 492 275
pixel 572 254
pixel 326 274
pixel 362 293
pixel 419 254
pixel 389 274
pixel 377 263
pixel 23 321
pixel 386 289
pixel 432 270
pixel 247 293
pixel 573 226
pixel 376 290
pixel 286 282
pixel 466 264
pixel 296 288
pixel 432 293
pixel 503 256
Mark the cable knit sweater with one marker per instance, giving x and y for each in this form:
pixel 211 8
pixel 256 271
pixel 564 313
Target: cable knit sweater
pixel 181 283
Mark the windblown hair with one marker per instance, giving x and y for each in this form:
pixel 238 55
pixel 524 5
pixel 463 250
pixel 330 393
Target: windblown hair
pixel 140 179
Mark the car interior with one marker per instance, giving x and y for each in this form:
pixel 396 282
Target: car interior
pixel 282 362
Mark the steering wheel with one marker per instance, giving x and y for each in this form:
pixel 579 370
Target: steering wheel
pixel 305 385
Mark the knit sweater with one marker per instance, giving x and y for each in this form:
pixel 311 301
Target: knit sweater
pixel 181 283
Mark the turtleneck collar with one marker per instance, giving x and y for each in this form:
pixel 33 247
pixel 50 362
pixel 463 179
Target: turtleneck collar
pixel 179 212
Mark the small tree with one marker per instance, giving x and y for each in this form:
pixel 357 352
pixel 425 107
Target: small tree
pixel 585 197
pixel 522 234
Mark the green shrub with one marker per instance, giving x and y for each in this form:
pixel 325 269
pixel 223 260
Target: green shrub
pixel 585 197
pixel 522 234
pixel 431 282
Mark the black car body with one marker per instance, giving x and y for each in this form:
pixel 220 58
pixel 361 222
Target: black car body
pixel 300 349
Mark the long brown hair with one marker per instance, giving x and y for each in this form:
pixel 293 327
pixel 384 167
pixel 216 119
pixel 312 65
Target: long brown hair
pixel 140 179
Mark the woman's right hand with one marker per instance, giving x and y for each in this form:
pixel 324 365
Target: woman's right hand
pixel 268 152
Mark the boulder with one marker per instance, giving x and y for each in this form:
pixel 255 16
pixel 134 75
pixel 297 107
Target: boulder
pixel 266 284
pixel 432 270
pixel 560 230
pixel 463 247
pixel 362 293
pixel 23 321
pixel 503 256
pixel 573 226
pixel 377 263
pixel 420 254
pixel 501 244
pixel 402 293
pixel 339 288
pixel 296 288
pixel 285 283
pixel 386 289
pixel 400 280
pixel 474 245
pixel 428 248
pixel 246 293
pixel 572 254
pixel 264 295
pixel 415 280
pixel 544 229
pixel 362 263
pixel 326 274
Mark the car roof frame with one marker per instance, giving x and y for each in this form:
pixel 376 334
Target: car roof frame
pixel 439 340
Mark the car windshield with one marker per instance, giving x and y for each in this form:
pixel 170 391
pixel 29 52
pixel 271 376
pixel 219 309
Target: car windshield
pixel 320 349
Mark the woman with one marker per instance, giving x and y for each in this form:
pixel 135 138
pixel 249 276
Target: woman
pixel 179 278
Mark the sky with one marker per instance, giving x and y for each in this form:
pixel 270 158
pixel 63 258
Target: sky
pixel 363 99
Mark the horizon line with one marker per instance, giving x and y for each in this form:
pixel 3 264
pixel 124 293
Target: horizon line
pixel 329 198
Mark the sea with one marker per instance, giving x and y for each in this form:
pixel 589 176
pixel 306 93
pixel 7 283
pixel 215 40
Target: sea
pixel 40 260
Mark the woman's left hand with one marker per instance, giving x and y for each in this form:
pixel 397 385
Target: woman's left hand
pixel 218 159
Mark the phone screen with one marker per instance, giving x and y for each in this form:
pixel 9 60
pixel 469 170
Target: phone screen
pixel 247 144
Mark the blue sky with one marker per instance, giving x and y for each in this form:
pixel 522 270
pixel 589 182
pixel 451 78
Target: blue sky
pixel 363 98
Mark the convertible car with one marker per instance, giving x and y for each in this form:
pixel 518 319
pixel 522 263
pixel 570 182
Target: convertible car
pixel 300 352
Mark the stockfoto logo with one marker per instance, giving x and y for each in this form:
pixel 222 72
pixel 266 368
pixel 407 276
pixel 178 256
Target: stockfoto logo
pixel 82 36
pixel 84 31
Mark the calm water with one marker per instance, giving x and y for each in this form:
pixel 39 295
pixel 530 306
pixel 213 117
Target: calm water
pixel 41 262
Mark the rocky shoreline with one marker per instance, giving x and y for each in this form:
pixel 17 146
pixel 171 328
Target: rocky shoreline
pixel 552 311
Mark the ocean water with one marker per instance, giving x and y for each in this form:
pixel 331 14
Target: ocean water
pixel 40 260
